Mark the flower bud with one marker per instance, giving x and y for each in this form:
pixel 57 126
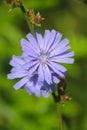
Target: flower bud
pixel 65 98
pixel 37 19
pixel 30 12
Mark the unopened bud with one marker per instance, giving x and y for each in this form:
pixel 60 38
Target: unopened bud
pixel 65 98
pixel 37 19
pixel 30 12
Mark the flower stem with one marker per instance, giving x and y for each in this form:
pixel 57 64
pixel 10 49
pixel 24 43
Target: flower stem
pixel 31 27
pixel 60 126
pixel 58 105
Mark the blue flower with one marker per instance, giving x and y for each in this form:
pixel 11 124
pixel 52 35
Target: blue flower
pixel 39 66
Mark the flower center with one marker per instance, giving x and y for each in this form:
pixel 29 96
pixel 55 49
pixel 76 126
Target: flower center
pixel 43 57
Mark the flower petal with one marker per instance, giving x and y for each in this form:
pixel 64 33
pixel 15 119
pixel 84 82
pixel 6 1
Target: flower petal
pixel 56 41
pixel 16 61
pixel 25 45
pixel 45 93
pixel 46 38
pixel 28 48
pixel 66 60
pixel 56 80
pixel 63 43
pixel 31 64
pixel 21 83
pixel 28 58
pixel 55 69
pixel 62 57
pixel 40 40
pixel 66 54
pixel 37 90
pixel 41 73
pixel 59 67
pixel 33 68
pixel 33 42
pixel 59 51
pixel 29 86
pixel 33 89
pixel 18 74
pixel 51 39
pixel 47 74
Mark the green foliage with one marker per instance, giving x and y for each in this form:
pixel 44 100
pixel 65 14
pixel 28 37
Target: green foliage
pixel 20 111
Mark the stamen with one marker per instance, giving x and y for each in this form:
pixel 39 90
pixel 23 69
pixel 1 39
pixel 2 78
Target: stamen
pixel 43 57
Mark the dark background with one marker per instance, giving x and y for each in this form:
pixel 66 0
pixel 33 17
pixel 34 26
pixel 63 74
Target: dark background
pixel 19 110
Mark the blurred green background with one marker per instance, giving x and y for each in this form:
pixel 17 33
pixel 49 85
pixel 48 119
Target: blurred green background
pixel 19 110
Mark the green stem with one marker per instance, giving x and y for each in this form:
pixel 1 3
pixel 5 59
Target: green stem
pixel 60 126
pixel 58 105
pixel 31 27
